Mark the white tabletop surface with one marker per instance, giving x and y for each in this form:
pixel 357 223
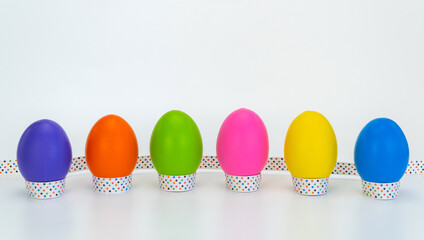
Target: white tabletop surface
pixel 211 211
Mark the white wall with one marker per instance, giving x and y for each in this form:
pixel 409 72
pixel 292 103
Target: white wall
pixel 75 61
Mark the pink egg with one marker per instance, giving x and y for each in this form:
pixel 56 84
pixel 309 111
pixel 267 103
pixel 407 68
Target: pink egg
pixel 242 145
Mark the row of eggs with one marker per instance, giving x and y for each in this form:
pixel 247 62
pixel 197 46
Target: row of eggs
pixel 44 154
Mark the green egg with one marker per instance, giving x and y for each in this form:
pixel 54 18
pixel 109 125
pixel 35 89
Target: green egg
pixel 176 146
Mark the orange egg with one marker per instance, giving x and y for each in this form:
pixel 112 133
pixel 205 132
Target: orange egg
pixel 111 150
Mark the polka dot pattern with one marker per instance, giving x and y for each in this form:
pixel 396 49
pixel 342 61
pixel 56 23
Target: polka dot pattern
pixel 211 162
pixel 382 191
pixel 78 164
pixel 343 168
pixel 415 167
pixel 179 183
pixel 8 167
pixel 144 162
pixel 276 164
pixel 310 187
pixel 243 183
pixel 112 185
pixel 45 190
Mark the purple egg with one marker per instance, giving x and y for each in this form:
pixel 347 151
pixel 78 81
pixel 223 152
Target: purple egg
pixel 44 152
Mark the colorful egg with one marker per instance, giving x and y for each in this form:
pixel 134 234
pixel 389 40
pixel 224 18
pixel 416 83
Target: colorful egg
pixel 176 149
pixel 44 157
pixel 310 152
pixel 381 158
pixel 242 149
pixel 111 153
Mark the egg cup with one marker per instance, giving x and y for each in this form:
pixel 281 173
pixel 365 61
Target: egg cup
pixel 310 187
pixel 112 185
pixel 45 190
pixel 243 183
pixel 178 183
pixel 381 191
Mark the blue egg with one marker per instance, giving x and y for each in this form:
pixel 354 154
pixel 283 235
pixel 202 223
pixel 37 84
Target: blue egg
pixel 44 152
pixel 381 152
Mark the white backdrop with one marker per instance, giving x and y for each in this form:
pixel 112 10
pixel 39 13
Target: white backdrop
pixel 78 60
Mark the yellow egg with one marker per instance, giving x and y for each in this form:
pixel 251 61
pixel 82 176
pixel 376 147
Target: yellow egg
pixel 310 148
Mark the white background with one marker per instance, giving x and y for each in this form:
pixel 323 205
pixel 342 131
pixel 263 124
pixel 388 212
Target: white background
pixel 211 212
pixel 76 61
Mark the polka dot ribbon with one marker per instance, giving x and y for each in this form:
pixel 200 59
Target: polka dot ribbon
pixel 45 190
pixel 211 162
pixel 310 187
pixel 112 185
pixel 383 191
pixel 243 183
pixel 179 183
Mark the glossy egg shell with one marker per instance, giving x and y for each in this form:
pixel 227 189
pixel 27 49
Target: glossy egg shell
pixel 381 152
pixel 176 145
pixel 44 152
pixel 242 145
pixel 111 149
pixel 310 148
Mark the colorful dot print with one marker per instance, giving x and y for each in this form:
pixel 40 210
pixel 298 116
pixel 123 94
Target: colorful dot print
pixel 144 162
pixel 383 191
pixel 211 162
pixel 8 167
pixel 415 167
pixel 112 185
pixel 343 168
pixel 179 183
pixel 243 183
pixel 45 190
pixel 276 164
pixel 310 187
pixel 78 164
